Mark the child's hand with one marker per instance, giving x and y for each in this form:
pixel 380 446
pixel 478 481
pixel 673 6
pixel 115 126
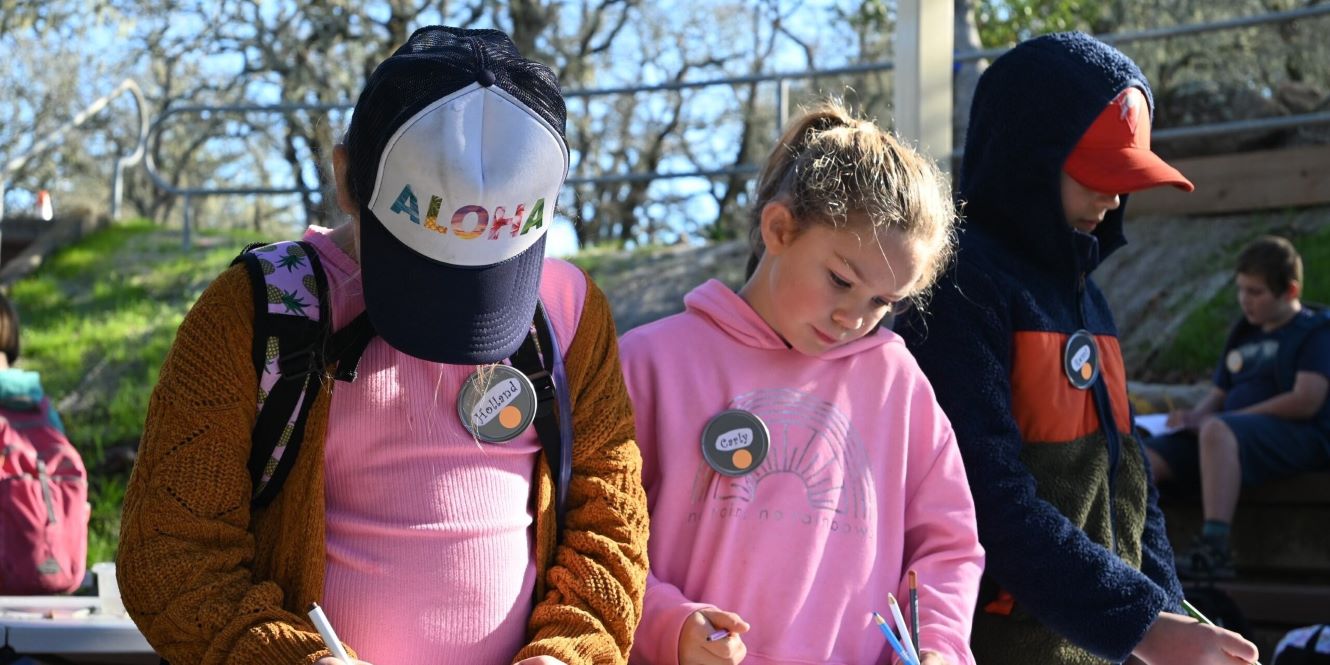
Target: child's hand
pixel 932 658
pixel 694 649
pixel 1177 419
pixel 1187 419
pixel 1179 639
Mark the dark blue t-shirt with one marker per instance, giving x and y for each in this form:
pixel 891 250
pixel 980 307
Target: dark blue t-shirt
pixel 1247 372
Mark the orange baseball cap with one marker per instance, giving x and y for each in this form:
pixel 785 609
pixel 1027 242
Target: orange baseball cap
pixel 1114 156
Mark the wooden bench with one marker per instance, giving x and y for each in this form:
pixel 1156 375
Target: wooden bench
pixel 1280 530
pixel 1281 549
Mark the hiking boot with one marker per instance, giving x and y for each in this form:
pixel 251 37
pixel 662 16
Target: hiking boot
pixel 1205 561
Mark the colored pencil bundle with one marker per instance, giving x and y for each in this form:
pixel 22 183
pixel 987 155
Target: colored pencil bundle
pixel 907 645
pixel 895 643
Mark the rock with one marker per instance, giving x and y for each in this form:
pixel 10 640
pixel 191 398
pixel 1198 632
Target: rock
pixel 643 286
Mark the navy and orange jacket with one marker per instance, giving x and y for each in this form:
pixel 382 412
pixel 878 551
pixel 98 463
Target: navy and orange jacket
pixel 1078 563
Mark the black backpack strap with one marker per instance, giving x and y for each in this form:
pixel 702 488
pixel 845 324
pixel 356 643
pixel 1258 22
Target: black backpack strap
pixel 549 342
pixel 348 344
pixel 540 360
pixel 291 321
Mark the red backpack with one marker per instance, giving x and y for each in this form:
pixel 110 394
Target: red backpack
pixel 43 505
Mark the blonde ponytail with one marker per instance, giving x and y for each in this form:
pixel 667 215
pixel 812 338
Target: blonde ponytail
pixel 829 164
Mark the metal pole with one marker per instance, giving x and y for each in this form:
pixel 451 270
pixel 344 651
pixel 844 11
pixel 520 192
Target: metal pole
pixel 184 236
pixel 115 191
pixel 1234 126
pixel 117 177
pixel 922 89
pixel 782 104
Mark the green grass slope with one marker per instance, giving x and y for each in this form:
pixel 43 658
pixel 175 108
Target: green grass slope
pixel 97 319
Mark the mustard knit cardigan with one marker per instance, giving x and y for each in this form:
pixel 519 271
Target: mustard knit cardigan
pixel 208 582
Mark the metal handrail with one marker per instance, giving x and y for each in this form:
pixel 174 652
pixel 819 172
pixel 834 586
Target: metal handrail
pixel 151 165
pixel 141 105
pixel 782 79
pixel 1163 135
pixel 1176 30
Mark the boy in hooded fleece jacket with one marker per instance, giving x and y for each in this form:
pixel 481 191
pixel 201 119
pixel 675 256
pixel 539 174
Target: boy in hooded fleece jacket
pixel 1022 348
pixel 791 552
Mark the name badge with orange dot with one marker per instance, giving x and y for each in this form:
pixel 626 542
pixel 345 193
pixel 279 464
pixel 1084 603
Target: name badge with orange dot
pixel 735 442
pixel 1080 359
pixel 1234 361
pixel 497 403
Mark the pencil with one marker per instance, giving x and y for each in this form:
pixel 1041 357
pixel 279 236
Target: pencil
pixel 328 634
pixel 1196 614
pixel 902 626
pixel 716 633
pixel 914 610
pixel 891 639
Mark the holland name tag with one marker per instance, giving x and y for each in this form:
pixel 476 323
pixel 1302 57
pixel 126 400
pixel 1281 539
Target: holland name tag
pixel 497 403
pixel 735 442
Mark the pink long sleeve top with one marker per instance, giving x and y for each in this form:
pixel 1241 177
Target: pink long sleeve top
pixel 862 482
pixel 429 538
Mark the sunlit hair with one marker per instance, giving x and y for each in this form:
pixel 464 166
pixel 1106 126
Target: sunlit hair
pixel 829 165
pixel 1274 260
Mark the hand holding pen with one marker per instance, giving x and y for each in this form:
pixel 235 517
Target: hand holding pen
pixel 1176 638
pixel 712 636
pixel 339 655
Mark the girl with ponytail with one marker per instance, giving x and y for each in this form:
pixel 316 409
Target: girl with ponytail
pixel 797 466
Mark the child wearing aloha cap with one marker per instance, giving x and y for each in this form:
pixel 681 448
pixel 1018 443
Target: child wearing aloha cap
pixel 424 539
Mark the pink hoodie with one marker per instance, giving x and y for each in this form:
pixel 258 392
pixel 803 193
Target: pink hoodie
pixel 862 482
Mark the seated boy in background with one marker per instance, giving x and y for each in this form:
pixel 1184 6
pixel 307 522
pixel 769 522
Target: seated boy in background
pixel 1266 416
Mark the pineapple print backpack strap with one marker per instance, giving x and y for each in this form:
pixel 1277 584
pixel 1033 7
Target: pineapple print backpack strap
pixel 290 329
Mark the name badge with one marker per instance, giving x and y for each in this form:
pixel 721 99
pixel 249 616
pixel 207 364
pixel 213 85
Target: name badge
pixel 497 403
pixel 735 442
pixel 1234 361
pixel 1080 359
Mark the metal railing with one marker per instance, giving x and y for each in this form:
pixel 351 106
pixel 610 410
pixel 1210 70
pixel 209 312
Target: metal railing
pixel 48 141
pixel 782 80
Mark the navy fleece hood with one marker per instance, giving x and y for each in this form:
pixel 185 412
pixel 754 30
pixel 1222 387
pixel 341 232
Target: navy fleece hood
pixel 1030 108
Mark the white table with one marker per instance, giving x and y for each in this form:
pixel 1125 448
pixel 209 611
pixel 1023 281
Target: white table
pixel 70 627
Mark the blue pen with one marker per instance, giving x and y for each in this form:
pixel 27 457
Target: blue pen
pixel 891 639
